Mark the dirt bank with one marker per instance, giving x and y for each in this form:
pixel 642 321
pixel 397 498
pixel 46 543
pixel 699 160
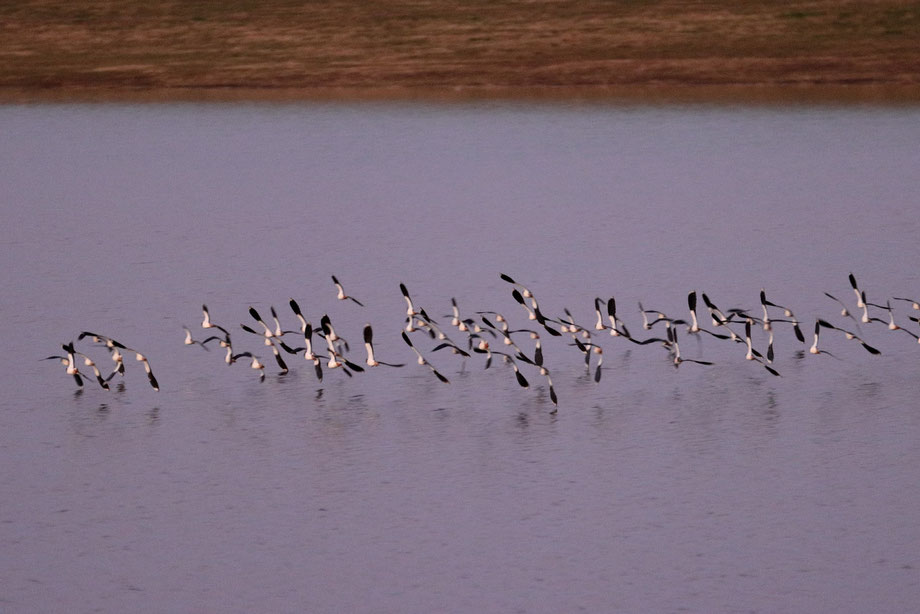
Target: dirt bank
pixel 278 49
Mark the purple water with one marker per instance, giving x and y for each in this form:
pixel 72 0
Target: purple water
pixel 702 489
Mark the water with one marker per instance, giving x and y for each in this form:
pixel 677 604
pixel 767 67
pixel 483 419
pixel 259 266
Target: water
pixel 657 489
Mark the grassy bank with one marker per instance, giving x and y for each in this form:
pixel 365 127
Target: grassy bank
pixel 239 49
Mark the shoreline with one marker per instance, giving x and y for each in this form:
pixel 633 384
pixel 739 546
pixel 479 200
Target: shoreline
pixel 717 95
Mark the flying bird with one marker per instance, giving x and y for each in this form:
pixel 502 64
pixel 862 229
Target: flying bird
pixel 369 346
pixel 341 293
pixel 422 360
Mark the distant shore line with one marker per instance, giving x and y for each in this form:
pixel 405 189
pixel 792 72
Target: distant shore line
pixel 742 94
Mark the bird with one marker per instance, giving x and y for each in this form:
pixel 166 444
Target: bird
pixel 537 359
pixel 268 333
pixel 599 322
pixel 914 302
pixel 103 339
pixel 206 321
pixel 117 357
pixel 533 312
pixel 567 323
pixel 843 308
pixel 67 369
pixel 308 341
pixel 527 293
pixel 422 360
pixel 675 347
pixel 455 314
pixel 506 332
pixel 600 361
pixel 336 358
pixel 281 364
pixel 814 346
pixel 308 350
pixel 454 348
pixel 534 309
pixel 661 317
pixel 753 354
pixel 341 293
pixel 228 357
pixel 694 323
pixel 278 332
pixel 69 362
pixel 786 312
pixel 552 391
pixel 484 348
pixel 917 320
pixel 269 338
pixel 203 344
pixel 644 313
pixel 617 328
pixel 333 361
pixel 119 361
pixel 256 363
pixel 426 322
pixel 865 319
pixel 849 335
pixel 497 317
pixel 860 295
pixel 537 350
pixel 114 348
pixel 585 348
pixel 296 309
pixel 308 355
pixel 464 325
pixel 521 380
pixel 844 311
pixel 153 381
pixel 667 321
pixel 410 307
pixel 90 363
pixel 499 327
pixel 718 318
pixel 893 326
pixel 328 331
pixel 369 346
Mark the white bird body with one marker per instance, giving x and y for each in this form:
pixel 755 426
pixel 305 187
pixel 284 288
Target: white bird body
pixel 341 295
pixel 411 312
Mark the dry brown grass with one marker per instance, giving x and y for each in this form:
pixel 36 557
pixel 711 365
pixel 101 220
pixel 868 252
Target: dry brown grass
pixel 433 48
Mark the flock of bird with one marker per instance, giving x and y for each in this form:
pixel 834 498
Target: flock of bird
pixel 481 331
pixel 115 353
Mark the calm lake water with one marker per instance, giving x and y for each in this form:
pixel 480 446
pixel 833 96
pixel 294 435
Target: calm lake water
pixel 701 489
